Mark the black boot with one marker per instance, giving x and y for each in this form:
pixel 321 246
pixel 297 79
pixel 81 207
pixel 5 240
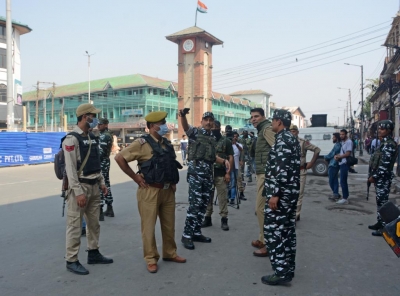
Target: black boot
pixel 242 196
pixel 201 238
pixel 94 257
pixel 206 222
pixel 101 217
pixel 77 268
pixel 376 226
pixel 224 224
pixel 187 243
pixel 378 232
pixel 109 212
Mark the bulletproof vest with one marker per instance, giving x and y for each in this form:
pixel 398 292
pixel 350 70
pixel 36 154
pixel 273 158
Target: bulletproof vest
pixel 93 163
pixel 203 148
pixel 376 157
pixel 262 148
pixel 162 167
pixel 221 152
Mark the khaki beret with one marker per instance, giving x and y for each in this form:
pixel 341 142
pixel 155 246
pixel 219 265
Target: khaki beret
pixel 85 109
pixel 156 116
pixel 294 127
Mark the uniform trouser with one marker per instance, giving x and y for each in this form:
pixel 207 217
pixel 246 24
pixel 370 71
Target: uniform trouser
pixel 280 235
pixel 382 188
pixel 105 170
pixel 200 188
pixel 303 178
pixel 74 221
pixel 153 202
pixel 232 185
pixel 260 205
pixel 239 179
pixel 222 196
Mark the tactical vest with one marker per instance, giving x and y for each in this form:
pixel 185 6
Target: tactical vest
pixel 203 148
pixel 262 148
pixel 93 163
pixel 376 157
pixel 107 150
pixel 162 167
pixel 221 152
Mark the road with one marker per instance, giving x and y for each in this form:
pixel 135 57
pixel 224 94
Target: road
pixel 336 253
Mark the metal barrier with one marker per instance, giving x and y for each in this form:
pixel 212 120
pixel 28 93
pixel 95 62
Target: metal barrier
pixel 19 148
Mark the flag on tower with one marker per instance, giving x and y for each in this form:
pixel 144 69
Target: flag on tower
pixel 201 7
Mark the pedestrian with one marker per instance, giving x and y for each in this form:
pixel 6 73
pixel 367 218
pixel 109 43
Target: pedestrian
pixel 265 140
pixel 333 167
pixel 221 179
pixel 246 140
pixel 83 168
pixel 106 143
pixel 235 175
pixel 184 144
pixel 282 185
pixel 382 163
pixel 157 178
pixel 345 151
pixel 368 144
pixel 375 144
pixel 305 146
pixel 201 159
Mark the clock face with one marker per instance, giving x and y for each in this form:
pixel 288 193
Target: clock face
pixel 188 45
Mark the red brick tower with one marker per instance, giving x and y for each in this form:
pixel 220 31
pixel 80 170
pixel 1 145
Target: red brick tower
pixel 194 71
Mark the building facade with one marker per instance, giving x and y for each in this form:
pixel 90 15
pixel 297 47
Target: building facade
pixel 298 117
pixel 124 100
pixel 257 96
pixel 18 29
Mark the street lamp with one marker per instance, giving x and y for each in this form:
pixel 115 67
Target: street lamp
pixel 362 104
pixel 89 55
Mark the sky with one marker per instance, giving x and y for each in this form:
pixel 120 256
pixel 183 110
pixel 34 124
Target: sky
pixel 262 40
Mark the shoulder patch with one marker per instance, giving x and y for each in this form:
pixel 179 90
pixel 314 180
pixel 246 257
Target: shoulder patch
pixel 69 148
pixel 141 141
pixel 308 143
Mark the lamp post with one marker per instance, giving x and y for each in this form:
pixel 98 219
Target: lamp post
pixel 89 55
pixel 351 115
pixel 362 105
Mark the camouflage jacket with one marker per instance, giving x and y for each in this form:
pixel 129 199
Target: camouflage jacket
pixel 106 141
pixel 382 161
pixel 282 172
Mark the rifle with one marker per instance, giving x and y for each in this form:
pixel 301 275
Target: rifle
pixel 368 182
pixel 64 188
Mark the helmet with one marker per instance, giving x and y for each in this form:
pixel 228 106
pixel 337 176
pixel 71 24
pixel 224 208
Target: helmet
pixel 386 124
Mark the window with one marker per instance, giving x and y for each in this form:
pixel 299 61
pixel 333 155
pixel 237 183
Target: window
pixel 140 91
pixel 3 93
pixel 2 34
pixel 104 114
pixel 60 101
pixel 155 91
pixel 3 58
pixel 111 115
pixel 129 92
pixel 162 93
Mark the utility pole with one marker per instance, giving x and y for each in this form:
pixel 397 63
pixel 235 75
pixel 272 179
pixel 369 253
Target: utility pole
pixel 37 107
pixel 10 84
pixel 44 105
pixel 52 108
pixel 362 112
pixel 89 55
pixel 44 111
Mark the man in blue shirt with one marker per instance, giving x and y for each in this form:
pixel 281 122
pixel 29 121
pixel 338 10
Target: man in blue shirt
pixel 341 157
pixel 333 168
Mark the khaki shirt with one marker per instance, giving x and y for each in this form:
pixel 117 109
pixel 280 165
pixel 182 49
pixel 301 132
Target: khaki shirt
pixel 139 150
pixel 269 135
pixel 306 146
pixel 72 157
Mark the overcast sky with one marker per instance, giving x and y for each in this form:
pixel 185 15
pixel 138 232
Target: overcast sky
pixel 128 37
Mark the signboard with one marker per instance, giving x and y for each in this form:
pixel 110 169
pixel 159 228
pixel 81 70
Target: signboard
pixel 131 112
pixel 18 93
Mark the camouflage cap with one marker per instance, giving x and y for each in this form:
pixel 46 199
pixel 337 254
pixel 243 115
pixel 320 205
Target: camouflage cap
pixel 208 114
pixel 156 116
pixel 282 114
pixel 386 124
pixel 103 121
pixel 294 127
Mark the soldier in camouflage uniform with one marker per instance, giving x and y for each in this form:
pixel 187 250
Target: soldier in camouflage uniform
pixel 282 184
pixel 381 164
pixel 106 141
pixel 201 157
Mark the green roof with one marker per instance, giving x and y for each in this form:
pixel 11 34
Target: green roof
pixel 121 82
pixel 23 28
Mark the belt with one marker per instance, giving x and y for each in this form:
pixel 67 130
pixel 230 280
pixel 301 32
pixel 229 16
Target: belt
pixel 160 186
pixel 88 181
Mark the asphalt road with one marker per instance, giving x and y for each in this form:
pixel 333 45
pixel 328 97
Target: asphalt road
pixel 336 253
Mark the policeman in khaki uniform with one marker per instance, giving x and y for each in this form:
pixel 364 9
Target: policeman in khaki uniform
pixel 157 181
pixel 304 166
pixel 83 195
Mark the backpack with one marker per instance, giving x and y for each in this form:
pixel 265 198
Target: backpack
pixel 59 159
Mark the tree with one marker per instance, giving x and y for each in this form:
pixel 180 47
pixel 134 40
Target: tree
pixel 372 85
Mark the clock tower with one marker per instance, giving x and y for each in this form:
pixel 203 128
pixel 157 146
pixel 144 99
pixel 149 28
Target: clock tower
pixel 194 71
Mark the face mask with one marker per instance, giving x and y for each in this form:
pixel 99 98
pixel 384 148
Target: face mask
pixel 163 129
pixel 217 133
pixel 94 122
